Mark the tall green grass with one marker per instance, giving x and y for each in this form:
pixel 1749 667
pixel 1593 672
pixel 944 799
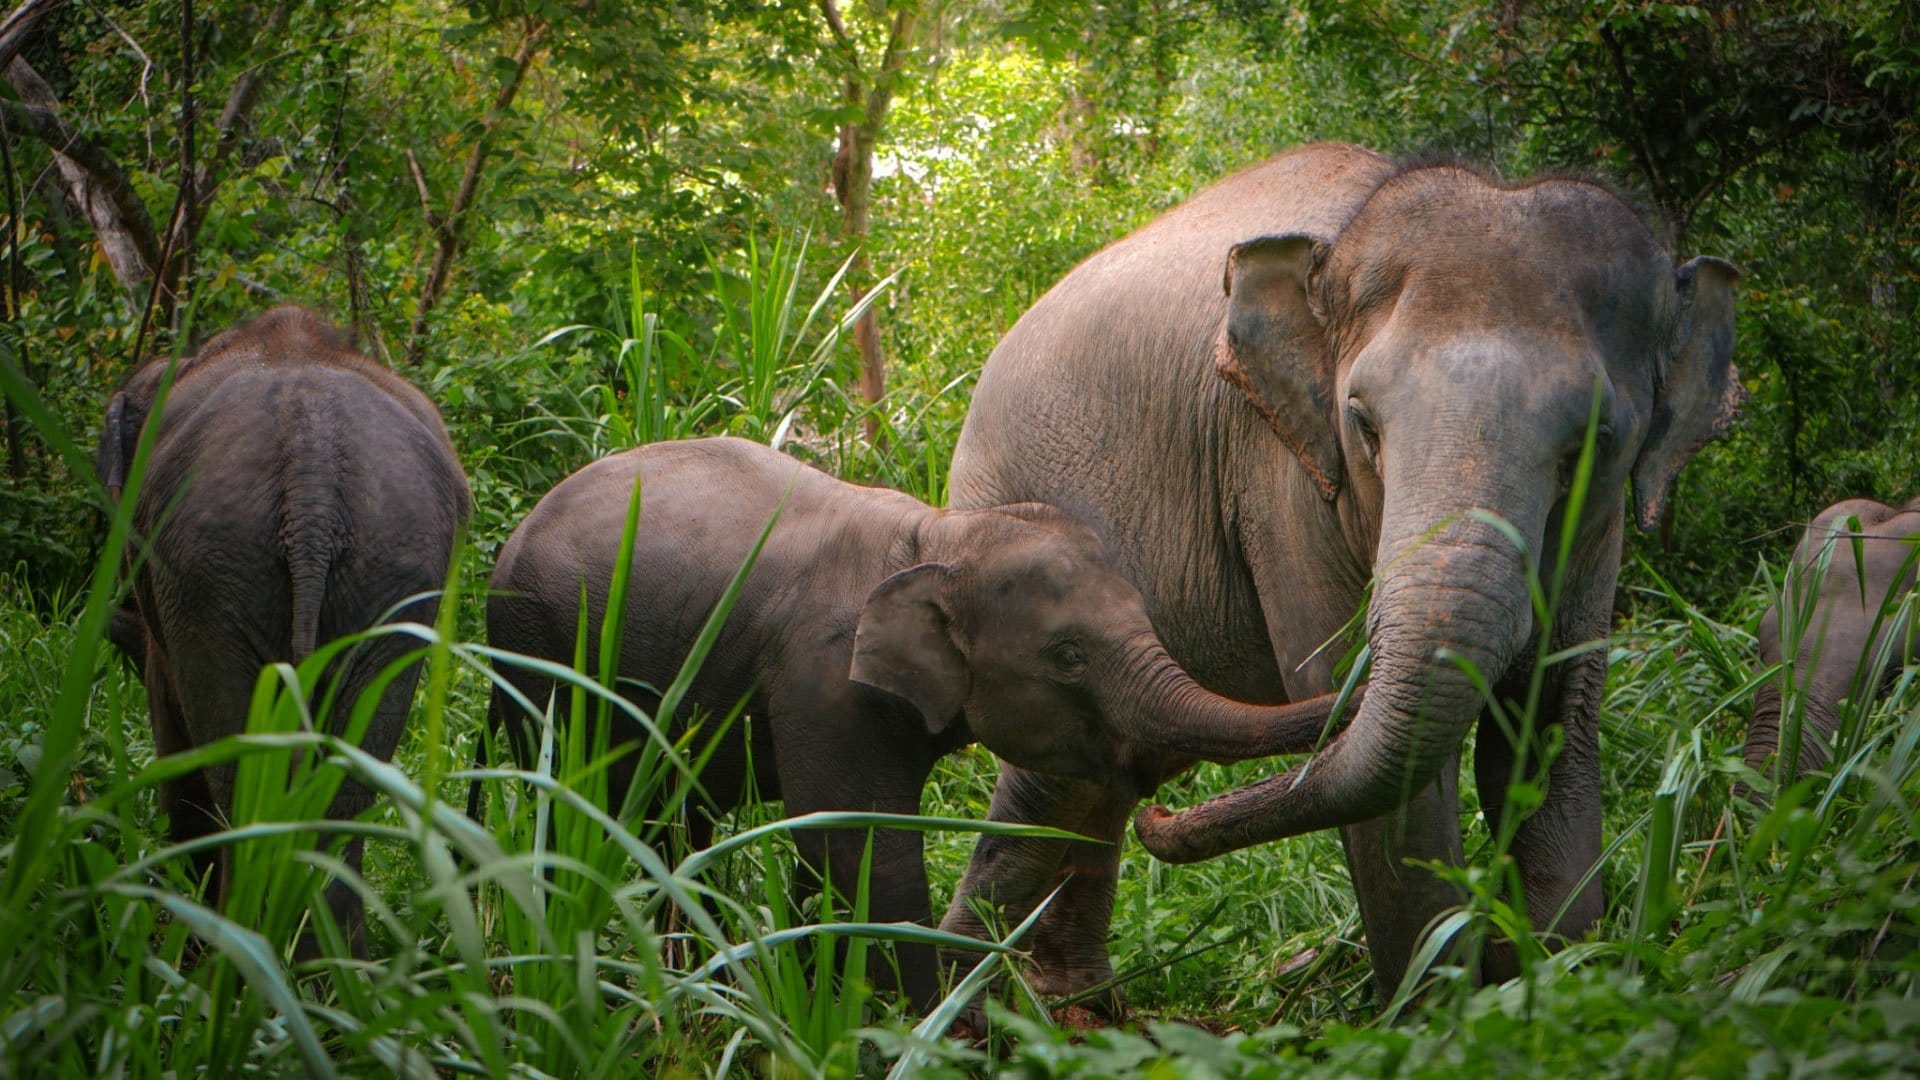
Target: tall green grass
pixel 560 936
pixel 552 936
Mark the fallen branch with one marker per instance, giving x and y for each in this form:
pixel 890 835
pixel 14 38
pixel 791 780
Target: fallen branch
pixel 20 24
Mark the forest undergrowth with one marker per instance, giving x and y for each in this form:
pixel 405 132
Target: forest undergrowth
pixel 556 936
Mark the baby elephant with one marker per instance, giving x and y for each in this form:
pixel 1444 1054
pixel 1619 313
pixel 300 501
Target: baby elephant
pixel 1838 642
pixel 296 492
pixel 873 635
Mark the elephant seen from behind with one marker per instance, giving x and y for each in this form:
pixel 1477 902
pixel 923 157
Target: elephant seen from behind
pixel 296 492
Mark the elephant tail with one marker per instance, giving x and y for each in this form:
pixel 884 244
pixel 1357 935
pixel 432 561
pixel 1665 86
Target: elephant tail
pixel 309 593
pixel 312 535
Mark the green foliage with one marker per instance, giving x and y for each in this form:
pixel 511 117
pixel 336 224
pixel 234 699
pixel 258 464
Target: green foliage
pixel 651 254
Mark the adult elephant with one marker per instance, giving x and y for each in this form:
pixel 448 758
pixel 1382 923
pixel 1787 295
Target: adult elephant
pixel 1395 347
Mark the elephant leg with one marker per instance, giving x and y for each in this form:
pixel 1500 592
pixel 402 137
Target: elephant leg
pixel 896 882
pixel 1398 901
pixel 1010 875
pixel 362 667
pixel 208 696
pixel 187 799
pixel 1556 845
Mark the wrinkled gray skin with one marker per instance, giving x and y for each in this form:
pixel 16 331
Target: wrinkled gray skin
pixel 873 635
pixel 1837 641
pixel 295 493
pixel 1392 348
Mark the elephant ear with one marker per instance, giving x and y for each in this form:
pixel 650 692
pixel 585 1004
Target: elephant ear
pixel 1274 348
pixel 904 645
pixel 1699 394
pixel 118 441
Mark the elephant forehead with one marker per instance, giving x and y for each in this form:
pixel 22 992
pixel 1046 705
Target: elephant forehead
pixel 1038 573
pixel 1557 256
pixel 1548 373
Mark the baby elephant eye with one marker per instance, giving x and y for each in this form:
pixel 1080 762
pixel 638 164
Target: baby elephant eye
pixel 1069 658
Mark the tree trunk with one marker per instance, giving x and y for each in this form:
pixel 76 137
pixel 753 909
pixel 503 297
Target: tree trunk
pixel 853 179
pixel 92 181
pixel 20 24
pixel 448 227
pixel 856 197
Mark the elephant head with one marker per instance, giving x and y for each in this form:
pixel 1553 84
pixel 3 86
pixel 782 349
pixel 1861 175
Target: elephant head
pixel 1436 363
pixel 1021 625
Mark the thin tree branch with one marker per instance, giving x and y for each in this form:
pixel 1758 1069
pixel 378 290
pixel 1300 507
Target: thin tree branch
pixel 1642 149
pixel 1699 198
pixel 146 62
pixel 448 249
pixel 240 102
pixel 176 275
pixel 831 11
pixel 16 445
pixel 892 62
pixel 426 197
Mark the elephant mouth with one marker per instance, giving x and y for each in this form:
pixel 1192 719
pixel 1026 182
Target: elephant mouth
pixel 1143 771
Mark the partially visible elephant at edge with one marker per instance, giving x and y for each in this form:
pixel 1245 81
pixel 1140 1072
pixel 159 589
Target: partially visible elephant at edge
pixel 873 635
pixel 1393 347
pixel 1836 635
pixel 296 491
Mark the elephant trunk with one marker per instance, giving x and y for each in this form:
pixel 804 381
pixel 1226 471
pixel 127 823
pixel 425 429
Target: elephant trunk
pixel 1166 711
pixel 1448 605
pixel 1820 720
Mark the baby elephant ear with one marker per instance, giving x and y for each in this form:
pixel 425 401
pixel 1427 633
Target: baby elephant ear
pixel 1275 349
pixel 1699 394
pixel 904 645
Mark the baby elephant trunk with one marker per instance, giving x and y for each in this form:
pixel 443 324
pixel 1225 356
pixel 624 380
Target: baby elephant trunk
pixel 1163 709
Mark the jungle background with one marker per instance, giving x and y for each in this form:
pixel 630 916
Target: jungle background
pixel 583 225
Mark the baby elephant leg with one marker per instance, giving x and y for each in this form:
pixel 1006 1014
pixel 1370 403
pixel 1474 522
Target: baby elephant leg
pixel 896 882
pixel 187 800
pixel 1011 875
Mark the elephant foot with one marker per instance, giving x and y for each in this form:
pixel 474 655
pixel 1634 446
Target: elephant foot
pixel 1081 1018
pixel 1052 983
pixel 1058 982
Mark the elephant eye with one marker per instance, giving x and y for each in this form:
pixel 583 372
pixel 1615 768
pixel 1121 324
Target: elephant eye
pixel 1369 438
pixel 1069 658
pixel 1602 449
